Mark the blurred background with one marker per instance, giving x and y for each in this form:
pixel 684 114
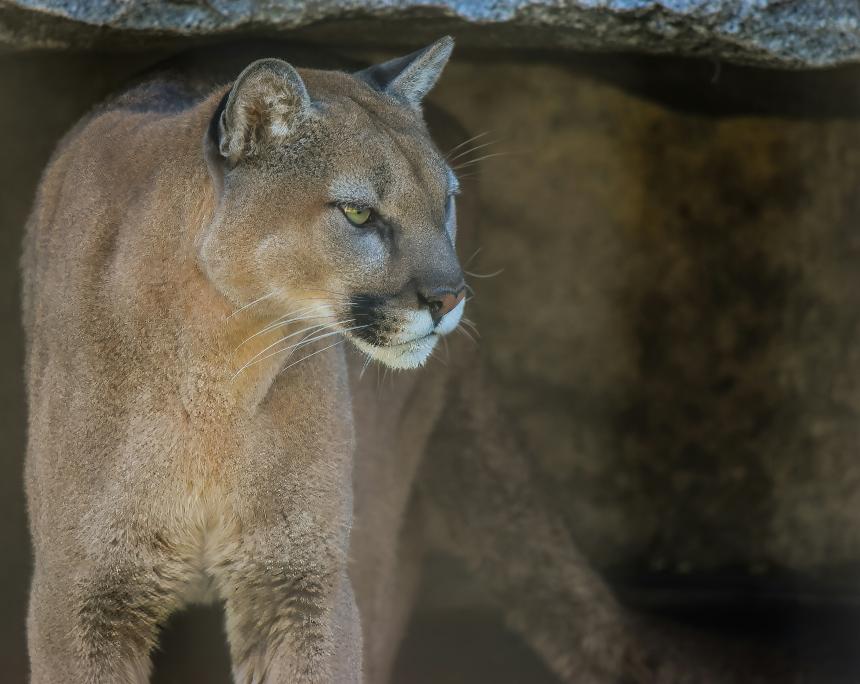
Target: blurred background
pixel 673 205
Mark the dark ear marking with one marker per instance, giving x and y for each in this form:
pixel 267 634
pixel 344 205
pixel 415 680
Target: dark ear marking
pixel 215 121
pixel 411 77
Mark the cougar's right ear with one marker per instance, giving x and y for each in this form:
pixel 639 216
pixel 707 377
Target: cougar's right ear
pixel 264 107
pixel 409 79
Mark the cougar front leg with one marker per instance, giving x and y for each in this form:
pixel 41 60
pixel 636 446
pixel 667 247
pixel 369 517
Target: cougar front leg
pixel 94 620
pixel 291 613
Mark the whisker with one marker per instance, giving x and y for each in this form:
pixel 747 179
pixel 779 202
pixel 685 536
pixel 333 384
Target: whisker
pixel 480 159
pixel 255 359
pixel 250 304
pixel 466 333
pixel 305 358
pixel 472 149
pixel 474 254
pixel 367 361
pixel 471 326
pixel 434 355
pixel 484 275
pixel 305 342
pixel 281 324
pixel 470 289
pixel 466 142
pixel 284 320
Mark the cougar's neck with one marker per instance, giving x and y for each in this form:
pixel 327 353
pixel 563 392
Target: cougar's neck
pixel 231 357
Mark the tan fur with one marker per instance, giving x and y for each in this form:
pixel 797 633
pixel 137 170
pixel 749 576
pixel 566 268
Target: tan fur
pixel 164 469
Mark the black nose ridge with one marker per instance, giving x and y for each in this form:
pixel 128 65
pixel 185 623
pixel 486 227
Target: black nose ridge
pixel 442 301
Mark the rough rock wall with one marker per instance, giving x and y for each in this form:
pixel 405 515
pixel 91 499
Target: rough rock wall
pixel 677 319
pixel 808 33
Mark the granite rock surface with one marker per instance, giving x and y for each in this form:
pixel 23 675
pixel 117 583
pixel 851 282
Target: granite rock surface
pixel 784 33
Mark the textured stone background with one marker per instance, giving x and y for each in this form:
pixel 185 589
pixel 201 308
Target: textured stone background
pixel 678 318
pixel 776 32
pixel 675 327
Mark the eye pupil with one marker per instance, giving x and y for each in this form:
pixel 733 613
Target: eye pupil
pixel 356 215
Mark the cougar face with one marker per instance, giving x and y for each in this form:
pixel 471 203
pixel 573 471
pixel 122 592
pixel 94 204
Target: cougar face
pixel 336 205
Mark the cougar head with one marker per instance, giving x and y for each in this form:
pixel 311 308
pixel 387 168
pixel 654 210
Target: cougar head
pixel 336 206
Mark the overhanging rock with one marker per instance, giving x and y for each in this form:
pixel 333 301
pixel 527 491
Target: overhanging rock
pixel 780 33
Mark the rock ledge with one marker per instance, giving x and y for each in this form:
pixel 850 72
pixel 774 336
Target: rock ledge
pixel 780 33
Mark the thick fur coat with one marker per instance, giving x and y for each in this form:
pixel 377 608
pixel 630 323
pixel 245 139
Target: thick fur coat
pixel 197 430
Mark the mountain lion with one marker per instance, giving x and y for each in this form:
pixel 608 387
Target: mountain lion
pixel 199 432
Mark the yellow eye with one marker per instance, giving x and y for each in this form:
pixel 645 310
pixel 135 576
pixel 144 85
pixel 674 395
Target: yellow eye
pixel 356 215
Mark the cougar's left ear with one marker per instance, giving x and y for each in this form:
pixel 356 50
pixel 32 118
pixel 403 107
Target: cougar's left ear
pixel 265 105
pixel 410 78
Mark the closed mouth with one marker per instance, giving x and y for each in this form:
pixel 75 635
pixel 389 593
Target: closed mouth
pixel 409 354
pixel 407 345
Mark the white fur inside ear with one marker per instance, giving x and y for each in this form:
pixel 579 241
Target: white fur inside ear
pixel 267 103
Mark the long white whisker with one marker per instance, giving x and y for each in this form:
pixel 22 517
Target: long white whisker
pixel 466 333
pixel 466 142
pixel 471 326
pixel 305 342
pixel 472 149
pixel 318 351
pixel 255 359
pixel 301 310
pixel 480 159
pixel 250 304
pixel 484 275
pixel 364 367
pixel 280 323
pixel 434 355
pixel 474 254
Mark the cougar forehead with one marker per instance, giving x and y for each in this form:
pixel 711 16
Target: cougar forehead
pixel 369 144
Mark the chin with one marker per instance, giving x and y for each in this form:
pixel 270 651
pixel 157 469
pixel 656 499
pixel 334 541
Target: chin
pixel 400 356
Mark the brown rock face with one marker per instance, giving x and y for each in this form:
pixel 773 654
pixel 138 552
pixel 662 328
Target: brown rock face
pixel 793 33
pixel 678 317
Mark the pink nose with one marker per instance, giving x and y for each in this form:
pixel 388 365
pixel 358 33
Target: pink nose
pixel 441 303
